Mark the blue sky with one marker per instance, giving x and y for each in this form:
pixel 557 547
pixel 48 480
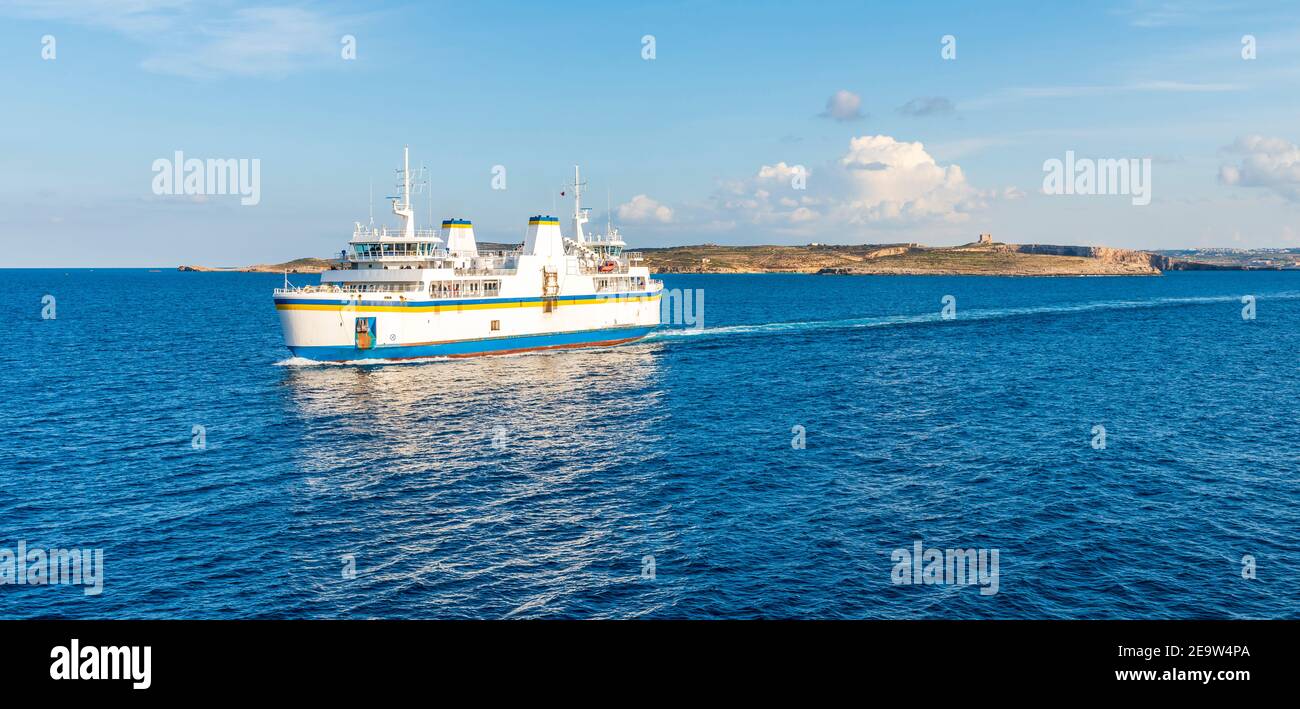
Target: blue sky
pixel 695 145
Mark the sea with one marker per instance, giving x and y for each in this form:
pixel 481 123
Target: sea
pixel 801 447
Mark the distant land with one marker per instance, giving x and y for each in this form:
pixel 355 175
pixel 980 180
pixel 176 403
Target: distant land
pixel 298 265
pixel 1246 258
pixel 984 257
pixel 991 259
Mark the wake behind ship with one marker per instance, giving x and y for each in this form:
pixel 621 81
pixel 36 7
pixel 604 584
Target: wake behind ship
pixel 400 294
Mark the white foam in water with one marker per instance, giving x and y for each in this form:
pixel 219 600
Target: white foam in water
pixel 879 321
pixel 304 362
pixel 989 314
pixel 296 362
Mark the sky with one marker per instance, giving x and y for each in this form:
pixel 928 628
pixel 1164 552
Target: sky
pixel 696 121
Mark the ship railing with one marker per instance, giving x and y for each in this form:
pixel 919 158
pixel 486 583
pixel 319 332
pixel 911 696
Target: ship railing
pixel 487 272
pixel 385 233
pixel 453 294
pixel 394 257
pixel 351 288
pixel 433 261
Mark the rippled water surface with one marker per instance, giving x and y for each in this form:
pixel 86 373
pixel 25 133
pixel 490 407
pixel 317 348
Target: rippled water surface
pixel 536 485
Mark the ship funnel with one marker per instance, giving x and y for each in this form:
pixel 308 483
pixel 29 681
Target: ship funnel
pixel 459 236
pixel 544 237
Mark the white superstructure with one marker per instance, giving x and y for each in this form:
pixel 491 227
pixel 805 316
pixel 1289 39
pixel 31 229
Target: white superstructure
pixel 422 292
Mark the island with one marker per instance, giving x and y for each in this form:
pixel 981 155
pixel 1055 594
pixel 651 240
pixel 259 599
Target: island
pixel 983 257
pixel 299 265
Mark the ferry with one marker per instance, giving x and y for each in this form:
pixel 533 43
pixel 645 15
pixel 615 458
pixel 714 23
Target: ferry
pixel 409 293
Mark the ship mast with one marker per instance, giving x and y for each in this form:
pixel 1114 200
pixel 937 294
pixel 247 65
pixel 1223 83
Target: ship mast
pixel 403 209
pixel 579 217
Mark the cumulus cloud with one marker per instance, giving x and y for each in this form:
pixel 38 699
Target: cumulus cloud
pixel 642 209
pixel 1270 163
pixel 879 181
pixel 843 105
pixel 779 173
pixel 928 106
pixel 889 180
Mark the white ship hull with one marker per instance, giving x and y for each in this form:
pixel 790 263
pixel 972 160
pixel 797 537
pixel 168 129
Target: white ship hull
pixel 323 326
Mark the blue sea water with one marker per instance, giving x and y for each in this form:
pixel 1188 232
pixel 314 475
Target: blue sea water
pixel 537 485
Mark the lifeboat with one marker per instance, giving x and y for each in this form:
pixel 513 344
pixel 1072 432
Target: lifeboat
pixel 609 267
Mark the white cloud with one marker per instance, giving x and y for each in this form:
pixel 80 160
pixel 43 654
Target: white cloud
pixel 263 41
pixel 802 214
pixel 968 146
pixel 1024 93
pixel 843 105
pixel 200 40
pixel 892 180
pixel 131 17
pixel 779 173
pixel 642 209
pixel 1156 14
pixel 880 181
pixel 1271 163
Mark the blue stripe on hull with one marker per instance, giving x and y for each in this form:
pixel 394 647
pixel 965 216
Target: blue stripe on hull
pixel 495 345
